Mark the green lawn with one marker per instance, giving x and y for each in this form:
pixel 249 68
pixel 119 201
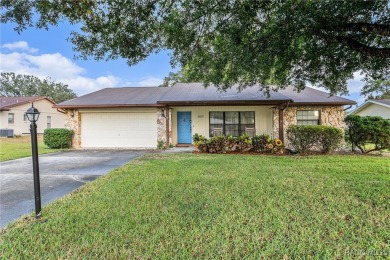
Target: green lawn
pixel 19 147
pixel 181 206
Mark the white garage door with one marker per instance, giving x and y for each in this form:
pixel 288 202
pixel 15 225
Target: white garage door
pixel 119 130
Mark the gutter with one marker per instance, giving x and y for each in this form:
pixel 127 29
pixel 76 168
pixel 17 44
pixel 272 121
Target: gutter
pixel 345 109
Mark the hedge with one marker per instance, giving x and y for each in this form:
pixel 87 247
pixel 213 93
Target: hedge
pixel 56 138
pixel 243 143
pixel 362 131
pixel 304 138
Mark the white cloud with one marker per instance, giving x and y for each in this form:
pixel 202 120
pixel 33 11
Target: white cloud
pixel 57 67
pixel 150 82
pixel 20 45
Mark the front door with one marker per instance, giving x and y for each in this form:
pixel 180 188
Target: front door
pixel 184 128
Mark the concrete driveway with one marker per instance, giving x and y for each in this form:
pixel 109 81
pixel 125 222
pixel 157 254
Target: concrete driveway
pixel 60 173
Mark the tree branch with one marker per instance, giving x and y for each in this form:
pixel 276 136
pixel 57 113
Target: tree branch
pixel 372 28
pixel 362 48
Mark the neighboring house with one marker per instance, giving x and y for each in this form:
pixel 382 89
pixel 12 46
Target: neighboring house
pixel 376 107
pixel 13 114
pixel 140 116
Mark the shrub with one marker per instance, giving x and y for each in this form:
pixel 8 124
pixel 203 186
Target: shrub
pixel 216 144
pixel 362 131
pixel 306 137
pixel 259 142
pixel 221 144
pixel 200 143
pixel 330 139
pixel 302 138
pixel 161 145
pixel 56 138
pixel 244 142
pixel 231 143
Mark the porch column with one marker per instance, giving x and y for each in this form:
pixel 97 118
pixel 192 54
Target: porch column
pixel 167 127
pixel 281 127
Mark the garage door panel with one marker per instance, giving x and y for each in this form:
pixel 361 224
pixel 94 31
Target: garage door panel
pixel 119 130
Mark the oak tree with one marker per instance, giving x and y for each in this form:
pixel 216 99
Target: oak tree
pixel 280 42
pixel 12 84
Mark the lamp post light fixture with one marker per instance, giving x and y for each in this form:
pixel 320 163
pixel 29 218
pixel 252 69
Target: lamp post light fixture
pixel 32 116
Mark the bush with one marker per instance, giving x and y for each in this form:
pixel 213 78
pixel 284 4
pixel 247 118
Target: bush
pixel 161 145
pixel 244 142
pixel 259 142
pixel 200 142
pixel 56 138
pixel 222 144
pixel 303 138
pixel 362 131
pixel 216 144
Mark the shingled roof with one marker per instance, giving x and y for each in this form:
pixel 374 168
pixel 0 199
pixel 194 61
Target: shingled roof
pixel 8 102
pixel 197 94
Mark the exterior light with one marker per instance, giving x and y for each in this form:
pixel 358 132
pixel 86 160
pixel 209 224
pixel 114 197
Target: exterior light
pixel 33 115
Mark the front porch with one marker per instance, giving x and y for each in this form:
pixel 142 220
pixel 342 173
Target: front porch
pixel 179 123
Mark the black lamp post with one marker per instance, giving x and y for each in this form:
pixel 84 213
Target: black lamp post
pixel 33 115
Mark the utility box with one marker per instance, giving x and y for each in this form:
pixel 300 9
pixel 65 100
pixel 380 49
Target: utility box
pixel 7 133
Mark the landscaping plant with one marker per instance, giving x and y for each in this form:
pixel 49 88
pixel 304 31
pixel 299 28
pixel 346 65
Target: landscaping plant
pixel 304 138
pixel 243 143
pixel 56 138
pixel 365 130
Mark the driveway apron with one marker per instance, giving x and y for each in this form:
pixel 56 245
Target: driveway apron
pixel 60 173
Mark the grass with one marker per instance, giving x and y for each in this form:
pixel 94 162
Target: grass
pixel 19 147
pixel 183 206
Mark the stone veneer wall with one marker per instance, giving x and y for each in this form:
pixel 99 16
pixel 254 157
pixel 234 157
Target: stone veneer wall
pixel 74 123
pixel 161 126
pixel 329 116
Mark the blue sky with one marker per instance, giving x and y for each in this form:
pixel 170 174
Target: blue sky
pixel 48 53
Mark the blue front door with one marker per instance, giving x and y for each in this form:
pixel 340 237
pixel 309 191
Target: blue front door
pixel 184 128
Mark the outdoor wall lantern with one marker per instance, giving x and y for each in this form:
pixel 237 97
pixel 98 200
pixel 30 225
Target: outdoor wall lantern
pixel 33 115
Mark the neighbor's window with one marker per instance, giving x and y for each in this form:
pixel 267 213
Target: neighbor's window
pixel 48 122
pixel 308 117
pixel 231 123
pixel 11 118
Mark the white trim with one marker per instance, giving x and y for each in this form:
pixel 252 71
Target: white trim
pixel 365 104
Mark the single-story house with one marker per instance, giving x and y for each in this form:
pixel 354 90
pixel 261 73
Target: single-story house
pixel 376 107
pixel 13 114
pixel 138 117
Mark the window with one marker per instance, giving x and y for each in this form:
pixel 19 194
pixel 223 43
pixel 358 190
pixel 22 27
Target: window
pixel 48 122
pixel 11 118
pixel 231 123
pixel 308 117
pixel 25 117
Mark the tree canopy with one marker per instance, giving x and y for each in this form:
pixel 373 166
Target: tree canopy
pixel 12 85
pixel 377 89
pixel 280 42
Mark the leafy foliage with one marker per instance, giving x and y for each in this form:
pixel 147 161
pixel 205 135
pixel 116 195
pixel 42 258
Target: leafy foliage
pixel 368 130
pixel 259 142
pixel 227 42
pixel 306 137
pixel 161 145
pixel 380 87
pixel 12 84
pixel 57 137
pixel 243 143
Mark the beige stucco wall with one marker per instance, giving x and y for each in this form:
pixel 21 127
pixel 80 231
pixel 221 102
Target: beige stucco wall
pixel 20 126
pixel 200 118
pixel 329 116
pixel 375 110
